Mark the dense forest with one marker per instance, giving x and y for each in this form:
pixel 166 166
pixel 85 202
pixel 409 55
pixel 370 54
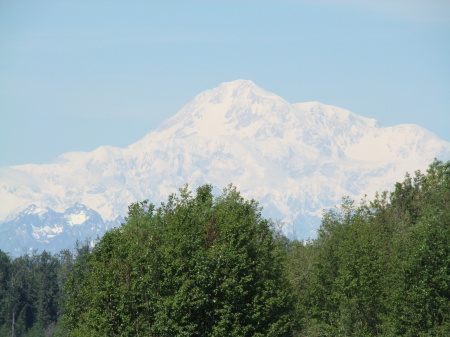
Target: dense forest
pixel 205 265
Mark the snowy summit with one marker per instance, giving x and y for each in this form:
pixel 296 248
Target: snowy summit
pixel 295 159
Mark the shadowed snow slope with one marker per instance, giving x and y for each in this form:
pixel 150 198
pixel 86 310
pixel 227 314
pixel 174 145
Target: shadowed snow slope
pixel 295 159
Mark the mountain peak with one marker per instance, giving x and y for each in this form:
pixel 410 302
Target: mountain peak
pixel 240 88
pixel 240 83
pixel 234 92
pixel 76 208
pixel 221 111
pixel 34 210
pixel 294 158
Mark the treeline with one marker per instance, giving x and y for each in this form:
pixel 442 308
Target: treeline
pixel 31 291
pixel 381 268
pixel 201 265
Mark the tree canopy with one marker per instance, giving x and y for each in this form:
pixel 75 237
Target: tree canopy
pixel 381 268
pixel 195 266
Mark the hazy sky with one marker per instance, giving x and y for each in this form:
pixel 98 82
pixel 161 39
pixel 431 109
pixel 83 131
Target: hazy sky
pixel 75 75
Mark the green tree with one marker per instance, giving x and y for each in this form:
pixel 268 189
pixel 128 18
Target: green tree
pixel 419 296
pixel 380 268
pixel 195 266
pixel 45 290
pixel 5 274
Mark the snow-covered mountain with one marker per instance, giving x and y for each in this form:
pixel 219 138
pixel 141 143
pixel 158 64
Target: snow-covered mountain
pixel 295 159
pixel 44 229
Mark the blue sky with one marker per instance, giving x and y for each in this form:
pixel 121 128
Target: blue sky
pixel 75 75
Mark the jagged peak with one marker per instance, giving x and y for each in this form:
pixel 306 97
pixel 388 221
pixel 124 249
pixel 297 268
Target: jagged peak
pixel 30 208
pixel 33 209
pixel 76 207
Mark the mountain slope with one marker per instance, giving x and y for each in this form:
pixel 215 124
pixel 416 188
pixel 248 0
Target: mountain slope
pixel 293 158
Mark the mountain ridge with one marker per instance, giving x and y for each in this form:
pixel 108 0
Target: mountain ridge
pixel 41 228
pixel 295 159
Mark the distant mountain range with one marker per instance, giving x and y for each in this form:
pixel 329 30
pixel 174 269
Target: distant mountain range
pixel 295 159
pixel 38 228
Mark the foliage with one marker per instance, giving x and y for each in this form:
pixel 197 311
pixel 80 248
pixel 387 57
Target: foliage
pixel 381 268
pixel 31 292
pixel 195 266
